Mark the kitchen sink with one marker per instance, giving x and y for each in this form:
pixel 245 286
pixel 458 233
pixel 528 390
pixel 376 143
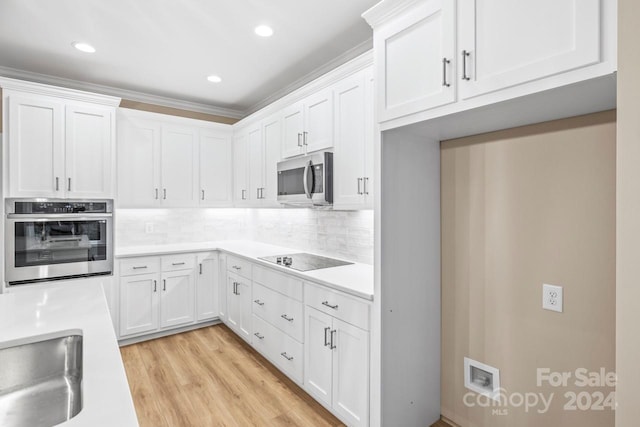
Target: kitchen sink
pixel 41 380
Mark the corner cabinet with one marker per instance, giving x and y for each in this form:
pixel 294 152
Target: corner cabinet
pixel 166 161
pixel 59 143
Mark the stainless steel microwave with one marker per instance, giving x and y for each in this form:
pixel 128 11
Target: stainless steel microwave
pixel 307 180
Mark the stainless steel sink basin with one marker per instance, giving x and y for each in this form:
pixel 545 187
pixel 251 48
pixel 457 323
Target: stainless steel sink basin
pixel 41 380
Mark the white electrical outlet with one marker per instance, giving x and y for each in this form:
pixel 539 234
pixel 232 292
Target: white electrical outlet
pixel 552 297
pixel 148 227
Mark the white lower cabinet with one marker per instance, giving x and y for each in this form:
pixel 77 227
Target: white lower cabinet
pixel 161 293
pixel 337 359
pixel 282 350
pixel 239 305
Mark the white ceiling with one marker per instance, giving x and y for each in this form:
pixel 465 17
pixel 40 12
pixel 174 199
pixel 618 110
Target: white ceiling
pixel 168 47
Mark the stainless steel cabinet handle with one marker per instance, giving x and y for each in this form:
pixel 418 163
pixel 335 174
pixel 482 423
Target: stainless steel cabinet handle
pixel 326 303
pixel 177 263
pixel 261 337
pixel 234 288
pixel 260 303
pixel 68 184
pixel 139 267
pixel 445 62
pixel 366 181
pixel 202 194
pixel 244 194
pixel 57 183
pixel 200 268
pixel 287 318
pixel 299 140
pixel 156 194
pixel 164 193
pixel 155 286
pixel 333 334
pixel 359 185
pixel 326 342
pixel 164 284
pixel 257 193
pixel 284 354
pixel 465 54
pixel 236 267
pixel 304 138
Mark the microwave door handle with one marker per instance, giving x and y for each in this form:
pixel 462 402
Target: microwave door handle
pixel 305 180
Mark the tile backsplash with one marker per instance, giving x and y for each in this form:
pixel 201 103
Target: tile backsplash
pixel 345 234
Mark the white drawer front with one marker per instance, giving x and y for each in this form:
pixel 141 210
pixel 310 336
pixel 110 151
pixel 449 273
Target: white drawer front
pixel 285 352
pixel 337 304
pixel 239 266
pixel 139 265
pixel 263 337
pixel 178 262
pixel 282 312
pixel 261 302
pixel 283 283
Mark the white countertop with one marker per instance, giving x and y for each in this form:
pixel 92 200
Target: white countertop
pixel 355 279
pixel 106 398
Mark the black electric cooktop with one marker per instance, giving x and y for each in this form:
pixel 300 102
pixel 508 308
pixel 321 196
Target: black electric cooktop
pixel 304 261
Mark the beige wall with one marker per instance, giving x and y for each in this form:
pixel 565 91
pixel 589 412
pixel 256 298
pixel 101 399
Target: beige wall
pixel 628 216
pixel 521 208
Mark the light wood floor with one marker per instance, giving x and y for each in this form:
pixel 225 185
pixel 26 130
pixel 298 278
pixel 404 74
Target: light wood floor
pixel 210 377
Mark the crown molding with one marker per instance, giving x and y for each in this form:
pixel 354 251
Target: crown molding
pixel 386 10
pixel 43 89
pixel 325 80
pixel 345 57
pixel 79 86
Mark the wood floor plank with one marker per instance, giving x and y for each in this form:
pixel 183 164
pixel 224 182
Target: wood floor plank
pixel 211 377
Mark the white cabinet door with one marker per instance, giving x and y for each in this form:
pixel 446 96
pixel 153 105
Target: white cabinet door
pixel 318 121
pixel 222 287
pixel 506 42
pixel 207 287
pixel 243 293
pixel 255 161
pixel 272 135
pixel 138 153
pixel 418 51
pixel 370 125
pixel 36 147
pixel 318 355
pixel 240 184
pixel 138 304
pixel 215 169
pixel 233 304
pixel 88 151
pixel 177 298
pixel 179 171
pixel 350 142
pixel 292 129
pixel 350 373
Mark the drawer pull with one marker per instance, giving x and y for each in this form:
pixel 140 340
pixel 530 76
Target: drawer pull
pixel 235 267
pixel 326 342
pixel 333 334
pixel 260 337
pixel 178 263
pixel 139 267
pixel 326 304
pixel 284 354
pixel 260 303
pixel 288 319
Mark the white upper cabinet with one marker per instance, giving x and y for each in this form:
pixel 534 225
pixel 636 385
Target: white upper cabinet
pixel 172 162
pixel 240 168
pixel 308 125
pixel 58 143
pixel 215 165
pixel 179 181
pixel 353 142
pixel 272 146
pixel 417 66
pixel 255 162
pixel 505 43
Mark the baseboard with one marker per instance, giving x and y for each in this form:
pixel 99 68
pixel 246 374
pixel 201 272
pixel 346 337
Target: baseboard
pixel 147 337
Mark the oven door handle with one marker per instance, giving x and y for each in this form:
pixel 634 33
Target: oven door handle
pixel 305 181
pixel 74 217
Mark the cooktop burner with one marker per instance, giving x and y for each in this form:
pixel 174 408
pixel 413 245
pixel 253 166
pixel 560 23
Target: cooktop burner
pixel 304 261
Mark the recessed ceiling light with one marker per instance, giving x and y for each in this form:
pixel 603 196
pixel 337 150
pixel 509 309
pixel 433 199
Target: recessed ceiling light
pixel 84 47
pixel 264 31
pixel 214 79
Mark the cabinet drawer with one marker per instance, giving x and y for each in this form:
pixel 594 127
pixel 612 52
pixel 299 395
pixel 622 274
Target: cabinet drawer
pixel 239 266
pixel 283 283
pixel 178 262
pixel 141 265
pixel 282 312
pixel 285 352
pixel 337 304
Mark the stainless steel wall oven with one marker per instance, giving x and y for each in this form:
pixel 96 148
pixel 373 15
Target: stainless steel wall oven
pixel 48 239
